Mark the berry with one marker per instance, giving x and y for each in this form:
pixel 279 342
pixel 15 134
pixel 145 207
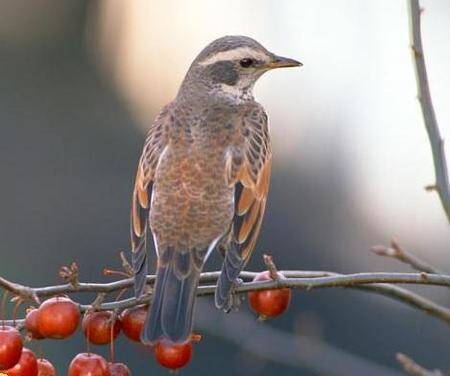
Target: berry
pixel 118 369
pixel 58 318
pixel 133 320
pixel 45 368
pixel 173 355
pixel 27 365
pixel 269 303
pixel 97 327
pixel 10 347
pixel 31 323
pixel 85 364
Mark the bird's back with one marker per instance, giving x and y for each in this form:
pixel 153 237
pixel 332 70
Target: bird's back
pixel 192 201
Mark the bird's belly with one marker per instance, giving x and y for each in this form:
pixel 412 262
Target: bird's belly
pixel 192 204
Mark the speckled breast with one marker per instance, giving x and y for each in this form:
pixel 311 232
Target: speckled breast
pixel 192 202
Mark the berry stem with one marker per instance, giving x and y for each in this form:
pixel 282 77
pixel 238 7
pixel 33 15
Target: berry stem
pixel 16 309
pixel 88 343
pixel 273 271
pixel 111 348
pixel 3 307
pixel 109 272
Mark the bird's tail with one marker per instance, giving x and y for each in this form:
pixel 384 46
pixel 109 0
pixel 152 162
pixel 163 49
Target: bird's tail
pixel 140 267
pixel 231 268
pixel 172 307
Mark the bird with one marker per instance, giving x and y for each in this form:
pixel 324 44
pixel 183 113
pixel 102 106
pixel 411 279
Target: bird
pixel 202 183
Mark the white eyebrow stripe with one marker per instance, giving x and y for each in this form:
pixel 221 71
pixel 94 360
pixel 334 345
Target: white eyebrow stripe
pixel 237 53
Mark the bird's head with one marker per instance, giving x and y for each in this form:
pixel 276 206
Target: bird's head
pixel 229 67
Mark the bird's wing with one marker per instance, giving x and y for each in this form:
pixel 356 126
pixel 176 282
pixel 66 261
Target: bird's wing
pixel 155 143
pixel 249 171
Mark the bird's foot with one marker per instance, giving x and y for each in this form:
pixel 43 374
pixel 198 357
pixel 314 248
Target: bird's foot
pixel 234 300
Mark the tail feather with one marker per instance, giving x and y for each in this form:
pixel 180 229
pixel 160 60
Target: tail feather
pixel 231 268
pixel 152 329
pixel 140 267
pixel 173 302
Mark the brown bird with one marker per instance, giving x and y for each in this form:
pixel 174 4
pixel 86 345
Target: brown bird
pixel 202 182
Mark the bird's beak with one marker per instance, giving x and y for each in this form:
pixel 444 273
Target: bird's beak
pixel 283 62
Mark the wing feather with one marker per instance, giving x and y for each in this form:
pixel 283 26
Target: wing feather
pixel 154 145
pixel 249 172
pixel 246 200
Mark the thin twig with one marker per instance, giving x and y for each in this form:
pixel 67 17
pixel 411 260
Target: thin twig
pixel 397 252
pixel 413 369
pixel 126 264
pixel 27 293
pixel 271 267
pixel 442 185
pixel 70 274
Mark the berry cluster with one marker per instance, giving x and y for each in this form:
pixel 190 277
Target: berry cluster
pixel 59 318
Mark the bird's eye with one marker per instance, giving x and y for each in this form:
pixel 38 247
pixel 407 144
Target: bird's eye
pixel 246 62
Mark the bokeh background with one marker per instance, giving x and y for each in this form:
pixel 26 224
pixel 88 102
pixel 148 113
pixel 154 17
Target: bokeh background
pixel 80 81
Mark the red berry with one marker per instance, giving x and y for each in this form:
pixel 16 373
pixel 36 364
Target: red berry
pixel 10 347
pixel 45 368
pixel 118 369
pixel 173 355
pixel 85 364
pixel 97 326
pixel 133 320
pixel 31 323
pixel 27 365
pixel 269 303
pixel 58 318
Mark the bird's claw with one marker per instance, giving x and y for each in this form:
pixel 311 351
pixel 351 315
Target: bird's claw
pixel 234 300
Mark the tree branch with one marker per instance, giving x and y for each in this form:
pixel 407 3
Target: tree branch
pixel 380 283
pixel 397 252
pixel 412 368
pixel 442 185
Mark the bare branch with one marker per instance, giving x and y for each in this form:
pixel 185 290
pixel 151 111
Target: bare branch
pixel 26 293
pixel 410 298
pixel 397 252
pixel 380 283
pixel 442 185
pixel 412 368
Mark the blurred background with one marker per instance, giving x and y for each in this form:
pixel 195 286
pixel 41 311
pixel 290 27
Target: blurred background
pixel 82 80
